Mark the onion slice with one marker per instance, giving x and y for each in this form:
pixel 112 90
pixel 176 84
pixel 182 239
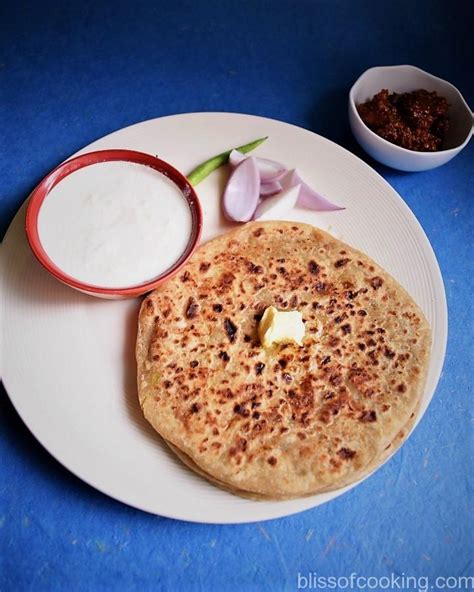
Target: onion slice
pixel 242 191
pixel 309 198
pixel 267 189
pixel 270 170
pixel 275 207
pixel 236 157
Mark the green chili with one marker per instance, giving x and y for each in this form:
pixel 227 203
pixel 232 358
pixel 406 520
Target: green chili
pixel 206 167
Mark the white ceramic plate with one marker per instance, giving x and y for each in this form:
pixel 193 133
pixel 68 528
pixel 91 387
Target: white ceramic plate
pixel 68 359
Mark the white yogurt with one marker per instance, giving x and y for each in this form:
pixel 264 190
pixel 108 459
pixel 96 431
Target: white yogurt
pixel 115 224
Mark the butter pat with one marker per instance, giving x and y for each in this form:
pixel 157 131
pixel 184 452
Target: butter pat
pixel 278 326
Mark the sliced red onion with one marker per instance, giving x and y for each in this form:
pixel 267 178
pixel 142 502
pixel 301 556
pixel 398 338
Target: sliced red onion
pixel 270 170
pixel 275 207
pixel 242 191
pixel 267 189
pixel 236 157
pixel 309 198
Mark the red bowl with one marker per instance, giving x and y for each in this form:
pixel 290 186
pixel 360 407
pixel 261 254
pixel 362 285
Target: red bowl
pixel 66 168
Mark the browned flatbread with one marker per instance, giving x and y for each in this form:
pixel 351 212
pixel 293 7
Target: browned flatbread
pixel 389 450
pixel 291 421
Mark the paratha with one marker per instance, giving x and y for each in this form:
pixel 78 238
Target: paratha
pixel 390 449
pixel 290 421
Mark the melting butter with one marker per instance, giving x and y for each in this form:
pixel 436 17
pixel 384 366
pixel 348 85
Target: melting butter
pixel 278 327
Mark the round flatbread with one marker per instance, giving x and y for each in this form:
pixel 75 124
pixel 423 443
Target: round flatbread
pixel 289 421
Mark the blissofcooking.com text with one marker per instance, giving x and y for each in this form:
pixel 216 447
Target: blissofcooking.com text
pixel 315 581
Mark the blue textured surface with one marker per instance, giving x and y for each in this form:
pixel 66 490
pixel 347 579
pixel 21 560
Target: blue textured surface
pixel 72 72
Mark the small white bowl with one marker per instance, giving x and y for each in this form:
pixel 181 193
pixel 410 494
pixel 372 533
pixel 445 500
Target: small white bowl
pixel 402 79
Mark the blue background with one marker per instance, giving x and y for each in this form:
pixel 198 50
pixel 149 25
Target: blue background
pixel 71 72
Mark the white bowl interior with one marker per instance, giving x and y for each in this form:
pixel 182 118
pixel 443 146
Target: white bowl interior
pixel 402 79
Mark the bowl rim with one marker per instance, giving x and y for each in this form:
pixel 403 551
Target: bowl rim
pixel 396 147
pixel 70 166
